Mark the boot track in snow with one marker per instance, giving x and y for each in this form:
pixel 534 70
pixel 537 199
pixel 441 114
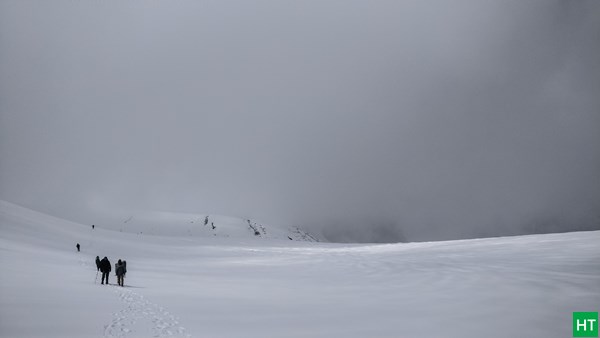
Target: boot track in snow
pixel 142 318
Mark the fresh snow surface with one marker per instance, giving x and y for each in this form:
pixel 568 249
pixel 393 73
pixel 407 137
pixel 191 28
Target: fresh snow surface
pixel 186 286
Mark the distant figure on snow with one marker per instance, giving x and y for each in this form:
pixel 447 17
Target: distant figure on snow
pixel 98 263
pixel 105 269
pixel 92 227
pixel 120 272
pixel 77 247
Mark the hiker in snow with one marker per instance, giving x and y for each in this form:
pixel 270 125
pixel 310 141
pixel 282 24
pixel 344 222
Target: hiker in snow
pixel 92 227
pixel 105 269
pixel 120 272
pixel 77 247
pixel 98 263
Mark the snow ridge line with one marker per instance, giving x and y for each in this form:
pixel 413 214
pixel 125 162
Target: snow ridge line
pixel 137 309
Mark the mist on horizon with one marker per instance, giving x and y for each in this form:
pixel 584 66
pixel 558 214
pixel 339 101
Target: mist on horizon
pixel 362 121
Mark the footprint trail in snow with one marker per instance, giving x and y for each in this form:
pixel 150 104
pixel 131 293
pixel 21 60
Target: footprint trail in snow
pixel 141 318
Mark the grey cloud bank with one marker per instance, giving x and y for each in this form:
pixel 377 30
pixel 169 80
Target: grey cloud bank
pixel 364 120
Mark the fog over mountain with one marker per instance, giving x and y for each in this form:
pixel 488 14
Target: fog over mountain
pixel 362 120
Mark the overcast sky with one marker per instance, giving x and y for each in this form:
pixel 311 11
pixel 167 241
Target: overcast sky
pixel 364 120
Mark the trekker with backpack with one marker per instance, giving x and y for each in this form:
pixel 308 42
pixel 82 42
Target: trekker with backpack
pixel 120 272
pixel 105 268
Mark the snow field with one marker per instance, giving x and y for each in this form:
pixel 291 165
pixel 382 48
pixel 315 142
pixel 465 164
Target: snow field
pixel 524 286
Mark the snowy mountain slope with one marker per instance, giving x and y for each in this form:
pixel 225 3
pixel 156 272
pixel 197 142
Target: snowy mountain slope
pixel 197 225
pixel 190 286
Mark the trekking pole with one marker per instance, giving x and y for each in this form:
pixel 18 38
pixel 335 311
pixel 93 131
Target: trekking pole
pixel 96 280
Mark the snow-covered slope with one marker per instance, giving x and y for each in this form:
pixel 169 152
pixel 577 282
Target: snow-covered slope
pixel 195 286
pixel 195 225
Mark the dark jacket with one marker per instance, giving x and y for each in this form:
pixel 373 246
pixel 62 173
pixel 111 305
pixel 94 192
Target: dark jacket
pixel 98 263
pixel 105 265
pixel 120 269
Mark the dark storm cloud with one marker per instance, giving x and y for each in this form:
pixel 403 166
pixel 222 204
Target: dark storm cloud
pixel 369 121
